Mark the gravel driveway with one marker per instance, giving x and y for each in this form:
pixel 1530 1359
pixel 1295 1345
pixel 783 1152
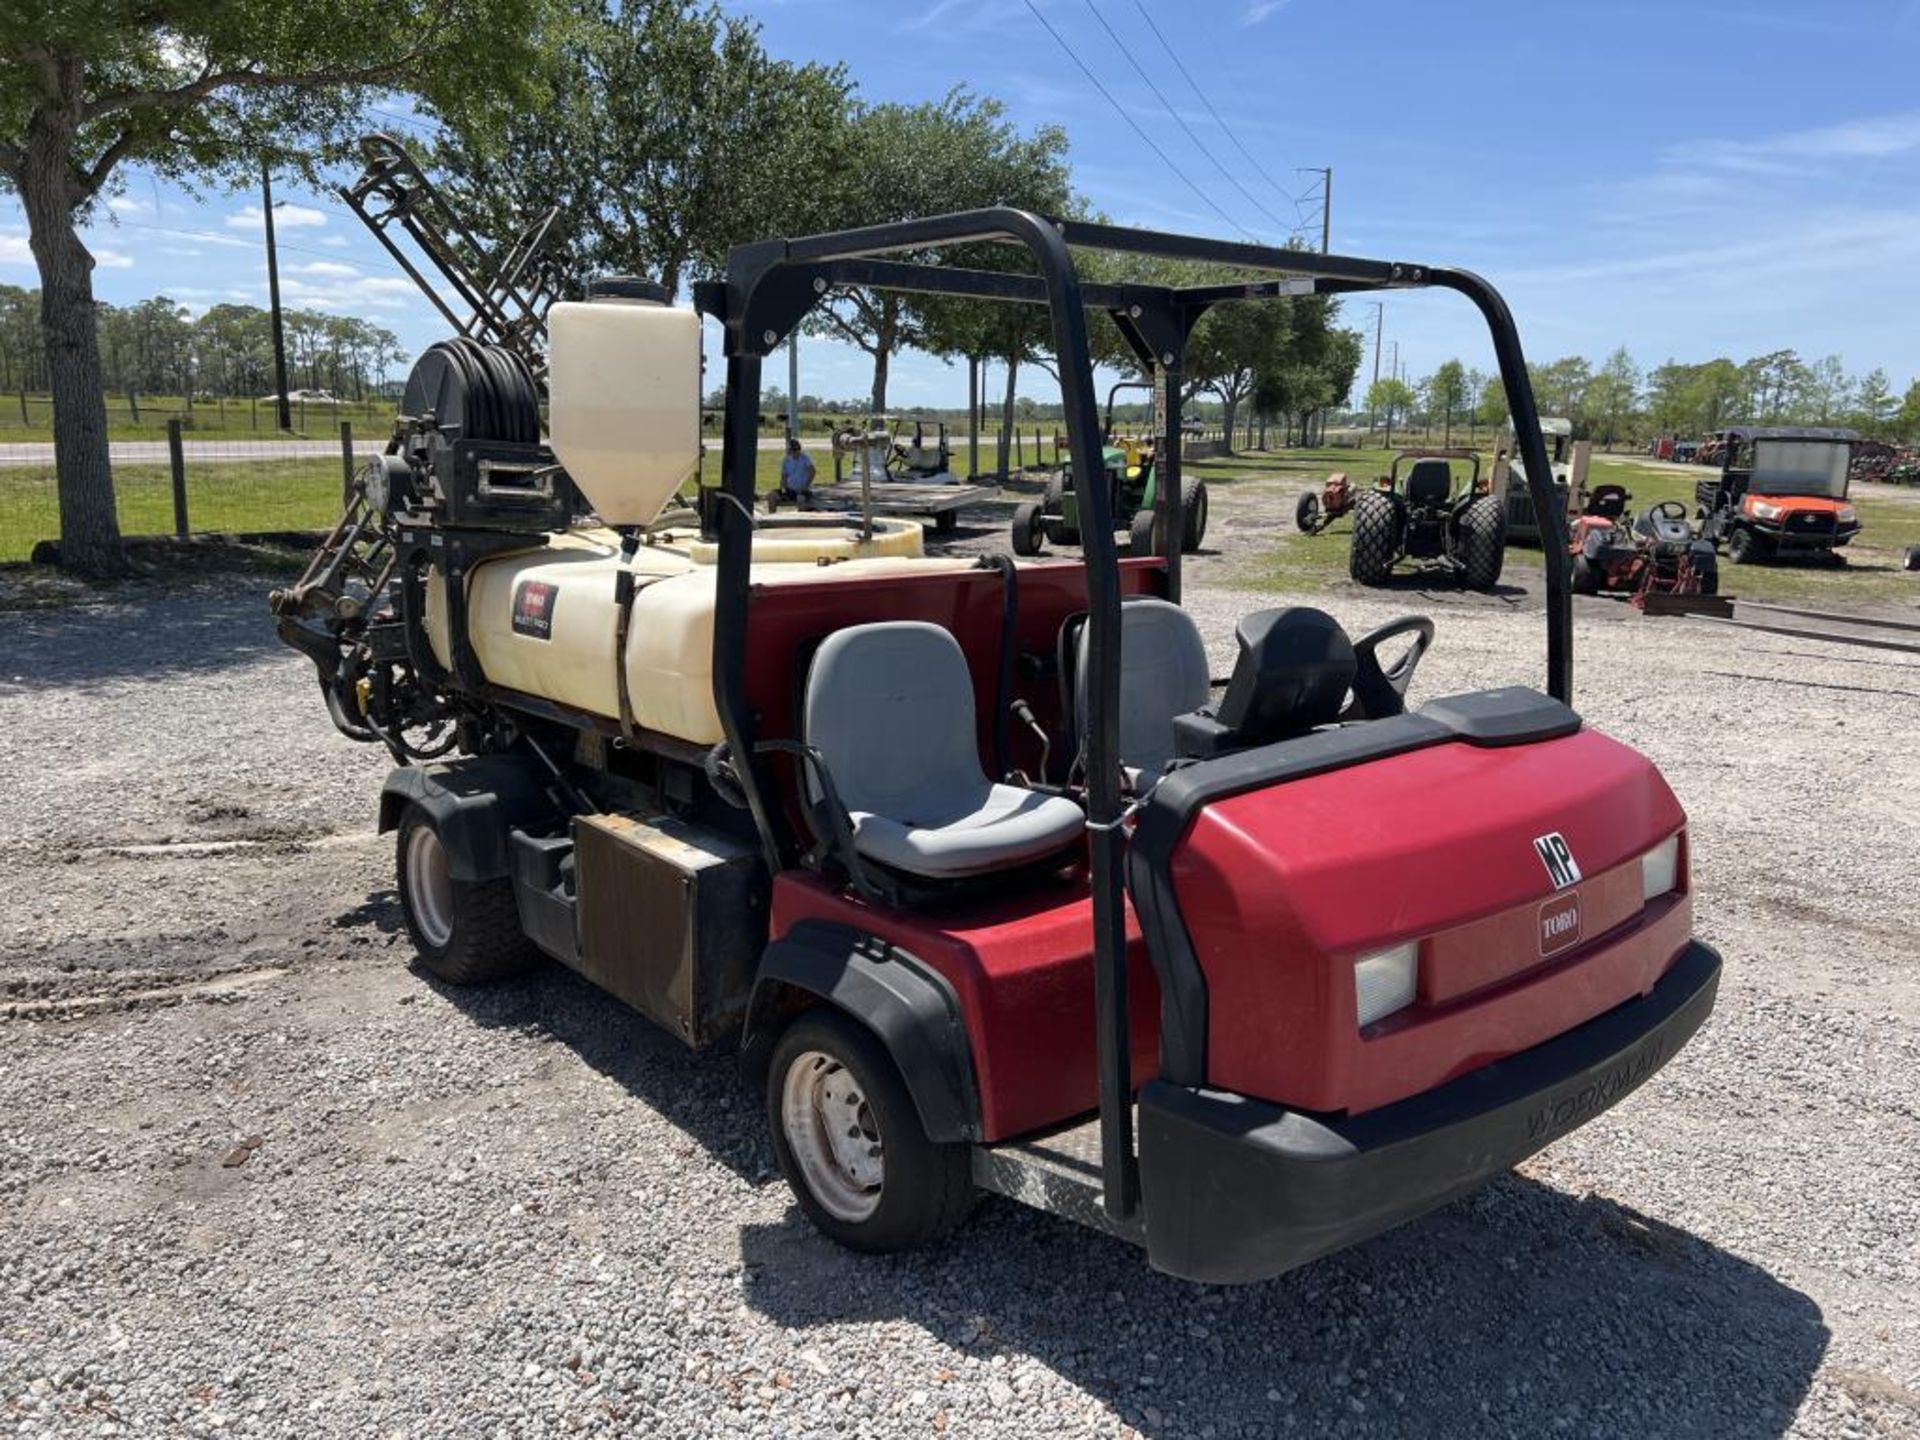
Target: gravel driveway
pixel 259 1177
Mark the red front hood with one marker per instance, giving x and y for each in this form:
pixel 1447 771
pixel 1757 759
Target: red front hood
pixel 1810 504
pixel 1281 889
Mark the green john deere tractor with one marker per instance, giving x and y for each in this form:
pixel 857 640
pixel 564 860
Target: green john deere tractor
pixel 1132 475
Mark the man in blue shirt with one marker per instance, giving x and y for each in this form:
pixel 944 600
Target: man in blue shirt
pixel 796 477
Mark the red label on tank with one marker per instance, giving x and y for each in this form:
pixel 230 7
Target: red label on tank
pixel 1559 924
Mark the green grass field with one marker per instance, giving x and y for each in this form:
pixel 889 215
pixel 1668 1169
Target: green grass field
pixel 227 499
pixel 1872 574
pixel 31 421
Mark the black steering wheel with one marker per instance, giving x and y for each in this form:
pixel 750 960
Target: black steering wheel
pixel 1669 509
pixel 1379 692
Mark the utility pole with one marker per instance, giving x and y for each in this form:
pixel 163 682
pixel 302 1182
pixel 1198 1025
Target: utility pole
pixel 793 383
pixel 1325 172
pixel 1379 326
pixel 273 300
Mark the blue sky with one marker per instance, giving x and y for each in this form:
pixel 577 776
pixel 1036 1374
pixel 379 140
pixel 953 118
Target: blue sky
pixel 1686 179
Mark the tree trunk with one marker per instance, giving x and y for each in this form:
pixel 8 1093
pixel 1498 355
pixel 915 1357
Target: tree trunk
pixel 1006 414
pixel 89 528
pixel 881 358
pixel 1230 410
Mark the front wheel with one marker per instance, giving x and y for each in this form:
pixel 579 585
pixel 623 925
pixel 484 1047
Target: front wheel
pixel 1376 538
pixel 1744 547
pixel 1143 534
pixel 849 1142
pixel 1028 528
pixel 467 931
pixel 1306 513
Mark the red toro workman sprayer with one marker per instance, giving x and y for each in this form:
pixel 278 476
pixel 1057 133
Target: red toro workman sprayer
pixel 991 886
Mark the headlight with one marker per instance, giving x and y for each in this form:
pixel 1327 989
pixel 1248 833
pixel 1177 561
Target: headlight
pixel 1763 511
pixel 1384 981
pixel 1660 869
pixel 1846 515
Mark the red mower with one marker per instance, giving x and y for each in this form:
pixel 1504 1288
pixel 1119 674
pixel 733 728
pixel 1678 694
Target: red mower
pixel 992 885
pixel 1656 553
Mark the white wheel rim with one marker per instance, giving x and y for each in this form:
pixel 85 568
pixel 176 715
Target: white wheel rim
pixel 831 1132
pixel 429 886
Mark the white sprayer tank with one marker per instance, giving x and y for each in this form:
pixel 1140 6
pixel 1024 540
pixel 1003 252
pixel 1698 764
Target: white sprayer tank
pixel 624 417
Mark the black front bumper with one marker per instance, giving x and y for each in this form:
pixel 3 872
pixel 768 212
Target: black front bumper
pixel 1237 1190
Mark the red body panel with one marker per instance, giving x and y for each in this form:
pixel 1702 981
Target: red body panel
pixel 1788 504
pixel 1281 889
pixel 1022 967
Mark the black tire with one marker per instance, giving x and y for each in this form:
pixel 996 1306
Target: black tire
pixel 1306 512
pixel 1586 580
pixel 1911 559
pixel 1376 537
pixel 1706 569
pixel 1055 504
pixel 467 932
pixel 926 1188
pixel 1143 533
pixel 1744 547
pixel 1481 542
pixel 1028 528
pixel 1055 493
pixel 1193 507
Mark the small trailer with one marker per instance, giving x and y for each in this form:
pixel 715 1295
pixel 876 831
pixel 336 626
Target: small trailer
pixel 990 885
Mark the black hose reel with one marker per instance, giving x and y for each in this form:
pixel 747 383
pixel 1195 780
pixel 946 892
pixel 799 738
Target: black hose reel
pixel 471 421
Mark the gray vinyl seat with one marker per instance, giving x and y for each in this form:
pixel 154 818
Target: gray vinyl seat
pixel 1163 673
pixel 890 709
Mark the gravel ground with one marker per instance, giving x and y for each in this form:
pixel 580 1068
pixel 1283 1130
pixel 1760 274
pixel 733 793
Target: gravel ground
pixel 259 1177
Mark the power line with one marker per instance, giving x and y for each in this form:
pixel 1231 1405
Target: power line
pixel 1181 121
pixel 1194 85
pixel 1121 111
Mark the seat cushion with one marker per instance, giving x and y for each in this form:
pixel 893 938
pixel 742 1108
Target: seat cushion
pixel 1163 673
pixel 1009 827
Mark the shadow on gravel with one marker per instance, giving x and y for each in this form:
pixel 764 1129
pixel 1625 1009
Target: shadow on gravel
pixel 1518 1311
pixel 142 632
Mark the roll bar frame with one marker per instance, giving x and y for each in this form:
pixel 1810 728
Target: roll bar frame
pixel 769 287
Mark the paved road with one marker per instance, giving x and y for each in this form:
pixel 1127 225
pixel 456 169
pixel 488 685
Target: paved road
pixel 214 452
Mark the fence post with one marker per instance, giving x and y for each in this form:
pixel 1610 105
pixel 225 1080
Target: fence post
pixel 346 458
pixel 177 462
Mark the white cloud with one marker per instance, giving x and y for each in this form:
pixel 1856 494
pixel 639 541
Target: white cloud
pixel 325 269
pixel 1259 10
pixel 14 249
pixel 338 242
pixel 1873 137
pixel 112 260
pixel 286 216
pixel 353 296
pixel 127 205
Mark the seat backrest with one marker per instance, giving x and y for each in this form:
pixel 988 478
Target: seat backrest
pixel 1163 673
pixel 1429 481
pixel 889 706
pixel 1293 673
pixel 1609 502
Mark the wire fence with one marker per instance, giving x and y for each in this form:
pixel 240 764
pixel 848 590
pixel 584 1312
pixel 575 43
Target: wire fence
pixel 26 417
pixel 180 485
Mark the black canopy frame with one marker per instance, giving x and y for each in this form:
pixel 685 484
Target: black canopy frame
pixel 769 287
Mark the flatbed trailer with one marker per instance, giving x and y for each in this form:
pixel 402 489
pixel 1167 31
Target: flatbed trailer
pixel 942 503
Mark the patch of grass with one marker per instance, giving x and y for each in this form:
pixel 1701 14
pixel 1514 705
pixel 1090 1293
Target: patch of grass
pixel 210 419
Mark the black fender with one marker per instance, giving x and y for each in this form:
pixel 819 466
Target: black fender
pixel 909 1007
pixel 473 802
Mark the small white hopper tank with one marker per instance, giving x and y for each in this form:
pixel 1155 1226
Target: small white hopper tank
pixel 623 379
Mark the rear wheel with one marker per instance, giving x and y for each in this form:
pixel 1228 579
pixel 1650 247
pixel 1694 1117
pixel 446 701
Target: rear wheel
pixel 1376 538
pixel 1193 507
pixel 1586 579
pixel 1706 569
pixel 850 1144
pixel 1055 493
pixel 1028 528
pixel 1306 514
pixel 467 932
pixel 1481 542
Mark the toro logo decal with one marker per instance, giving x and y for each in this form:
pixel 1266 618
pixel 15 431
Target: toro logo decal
pixel 1557 856
pixel 1559 924
pixel 533 609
